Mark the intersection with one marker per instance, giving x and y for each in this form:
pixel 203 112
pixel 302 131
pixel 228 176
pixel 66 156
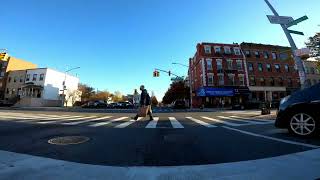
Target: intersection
pixel 171 139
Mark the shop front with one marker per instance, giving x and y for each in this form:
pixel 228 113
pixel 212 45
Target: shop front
pixel 221 97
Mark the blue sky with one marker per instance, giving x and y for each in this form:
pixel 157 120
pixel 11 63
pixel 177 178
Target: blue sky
pixel 118 43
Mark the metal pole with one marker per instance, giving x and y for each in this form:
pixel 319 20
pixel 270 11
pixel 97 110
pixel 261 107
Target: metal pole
pixel 64 83
pixel 190 84
pixel 297 59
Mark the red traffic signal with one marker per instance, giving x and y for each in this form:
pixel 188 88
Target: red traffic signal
pixel 156 74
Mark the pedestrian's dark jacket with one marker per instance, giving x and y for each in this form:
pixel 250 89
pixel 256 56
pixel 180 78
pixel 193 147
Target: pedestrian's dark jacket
pixel 145 98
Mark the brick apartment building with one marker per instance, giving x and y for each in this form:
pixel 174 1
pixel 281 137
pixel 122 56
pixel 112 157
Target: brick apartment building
pixel 9 63
pixel 312 72
pixel 218 75
pixel 271 71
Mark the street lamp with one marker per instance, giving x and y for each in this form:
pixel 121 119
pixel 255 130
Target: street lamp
pixel 190 85
pixel 64 83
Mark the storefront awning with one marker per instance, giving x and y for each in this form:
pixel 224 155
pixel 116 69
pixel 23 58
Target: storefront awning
pixel 222 92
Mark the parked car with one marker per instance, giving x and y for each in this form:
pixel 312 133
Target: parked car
pixel 113 105
pixel 300 112
pixel 179 104
pixel 94 104
pixel 125 105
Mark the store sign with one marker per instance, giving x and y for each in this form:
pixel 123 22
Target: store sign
pixel 215 92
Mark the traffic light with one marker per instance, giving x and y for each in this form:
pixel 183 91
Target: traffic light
pixel 156 74
pixel 169 73
pixel 2 55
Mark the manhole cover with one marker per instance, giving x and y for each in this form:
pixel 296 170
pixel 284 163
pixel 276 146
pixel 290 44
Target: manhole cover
pixel 67 140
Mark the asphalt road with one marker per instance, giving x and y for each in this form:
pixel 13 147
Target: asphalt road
pixel 185 138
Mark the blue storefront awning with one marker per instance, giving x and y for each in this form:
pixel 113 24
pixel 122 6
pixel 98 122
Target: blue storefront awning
pixel 215 92
pixel 222 92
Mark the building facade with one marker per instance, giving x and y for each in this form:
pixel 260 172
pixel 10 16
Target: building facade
pixel 9 63
pixel 42 87
pixel 312 72
pixel 218 75
pixel 271 71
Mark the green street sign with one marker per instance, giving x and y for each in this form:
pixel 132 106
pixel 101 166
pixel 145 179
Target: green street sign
pixel 296 32
pixel 297 21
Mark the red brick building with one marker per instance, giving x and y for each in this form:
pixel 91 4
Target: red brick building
pixel 218 75
pixel 271 71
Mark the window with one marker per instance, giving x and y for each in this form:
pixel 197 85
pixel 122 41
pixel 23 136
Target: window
pixel 217 49
pixel 252 81
pixel 219 64
pixel 21 79
pixel 34 77
pixel 286 67
pixel 227 50
pixel 260 67
pixel 229 63
pixel 257 54
pixel 269 69
pixel 281 81
pixel 231 79
pixel 277 66
pixel 42 76
pixel 265 55
pixel 274 55
pixel 237 51
pixel 283 56
pixel 15 79
pixel 248 54
pixel 239 65
pixel 262 81
pixel 241 79
pixel 290 82
pixel 207 49
pixel 221 79
pixel 210 79
pixel 250 67
pixel 7 91
pixel 272 81
pixel 9 79
pixel 28 77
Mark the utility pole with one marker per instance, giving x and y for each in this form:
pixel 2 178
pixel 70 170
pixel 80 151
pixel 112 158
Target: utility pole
pixel 64 83
pixel 190 84
pixel 287 32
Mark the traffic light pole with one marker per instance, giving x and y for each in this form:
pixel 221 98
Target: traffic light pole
pixel 297 59
pixel 169 72
pixel 190 84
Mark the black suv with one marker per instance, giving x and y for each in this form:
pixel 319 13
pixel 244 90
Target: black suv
pixel 300 112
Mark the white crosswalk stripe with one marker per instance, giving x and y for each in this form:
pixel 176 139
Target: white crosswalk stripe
pixel 267 121
pixel 153 123
pixel 86 121
pixel 125 124
pixel 240 120
pixel 105 123
pixel 201 122
pixel 105 120
pixel 175 123
pixel 220 121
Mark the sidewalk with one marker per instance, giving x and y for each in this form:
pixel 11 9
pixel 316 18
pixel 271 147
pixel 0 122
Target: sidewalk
pixel 298 166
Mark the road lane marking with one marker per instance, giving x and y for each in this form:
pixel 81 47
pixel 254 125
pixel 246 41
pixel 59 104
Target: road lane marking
pixel 153 123
pixel 263 120
pixel 64 120
pixel 85 121
pixel 175 123
pixel 201 122
pixel 219 121
pixel 123 125
pixel 240 120
pixel 105 123
pixel 272 138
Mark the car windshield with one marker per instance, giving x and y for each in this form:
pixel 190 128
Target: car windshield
pixel 159 89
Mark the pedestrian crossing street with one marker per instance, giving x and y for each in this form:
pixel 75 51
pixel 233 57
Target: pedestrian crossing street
pixel 110 121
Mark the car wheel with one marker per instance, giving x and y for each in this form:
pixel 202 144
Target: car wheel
pixel 303 124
